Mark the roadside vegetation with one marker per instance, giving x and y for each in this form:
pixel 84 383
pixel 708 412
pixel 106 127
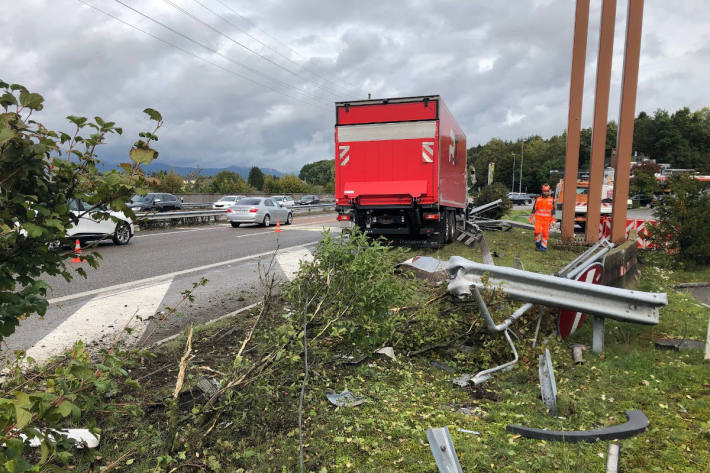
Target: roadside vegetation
pixel 158 416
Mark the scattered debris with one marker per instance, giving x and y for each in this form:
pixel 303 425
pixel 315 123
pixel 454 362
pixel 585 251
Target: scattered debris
pixel 442 366
pixel 472 432
pixel 82 438
pixel 387 351
pixel 679 344
pixel 518 263
pixel 612 458
pixel 486 252
pixel 691 284
pixel 485 375
pixel 548 387
pixel 637 423
pixel 578 354
pixel 344 399
pixel 426 267
pixel 442 447
pixel 208 386
pixel 468 411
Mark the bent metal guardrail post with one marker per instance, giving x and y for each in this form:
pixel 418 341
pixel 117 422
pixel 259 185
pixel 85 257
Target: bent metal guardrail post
pixel 604 301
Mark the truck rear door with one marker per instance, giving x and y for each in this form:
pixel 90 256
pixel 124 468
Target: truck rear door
pixel 387 154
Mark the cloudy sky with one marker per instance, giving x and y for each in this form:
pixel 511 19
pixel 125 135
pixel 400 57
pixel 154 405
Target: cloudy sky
pixel 242 82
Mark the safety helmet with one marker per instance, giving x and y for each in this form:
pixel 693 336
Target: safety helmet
pixel 545 188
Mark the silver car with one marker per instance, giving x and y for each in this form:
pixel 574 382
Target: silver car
pixel 227 201
pixel 259 210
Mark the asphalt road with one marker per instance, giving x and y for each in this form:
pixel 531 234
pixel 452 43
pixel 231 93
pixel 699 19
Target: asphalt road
pixel 138 282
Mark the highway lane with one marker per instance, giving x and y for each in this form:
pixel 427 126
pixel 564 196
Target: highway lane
pixel 152 253
pixel 135 283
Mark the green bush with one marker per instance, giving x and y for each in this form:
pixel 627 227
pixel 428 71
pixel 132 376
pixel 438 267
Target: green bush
pixel 35 185
pixel 491 193
pixel 350 286
pixel 683 217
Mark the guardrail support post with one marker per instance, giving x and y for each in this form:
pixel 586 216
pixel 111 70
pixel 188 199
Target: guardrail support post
pixel 598 335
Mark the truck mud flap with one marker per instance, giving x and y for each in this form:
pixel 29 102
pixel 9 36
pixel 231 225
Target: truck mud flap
pixel 636 423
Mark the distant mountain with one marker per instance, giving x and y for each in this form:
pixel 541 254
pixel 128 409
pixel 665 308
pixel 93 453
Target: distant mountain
pixel 207 172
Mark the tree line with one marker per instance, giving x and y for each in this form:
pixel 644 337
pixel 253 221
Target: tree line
pixel 681 139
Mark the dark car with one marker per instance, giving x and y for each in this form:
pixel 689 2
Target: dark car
pixel 154 201
pixel 309 200
pixel 643 200
pixel 520 198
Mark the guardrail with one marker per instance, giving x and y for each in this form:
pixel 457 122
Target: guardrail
pixel 206 215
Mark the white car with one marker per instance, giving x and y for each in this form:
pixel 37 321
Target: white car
pixel 92 229
pixel 284 200
pixel 227 201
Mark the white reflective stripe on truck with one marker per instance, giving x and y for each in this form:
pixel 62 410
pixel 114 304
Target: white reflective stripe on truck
pixel 387 131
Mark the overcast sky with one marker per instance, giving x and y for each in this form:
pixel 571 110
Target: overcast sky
pixel 253 82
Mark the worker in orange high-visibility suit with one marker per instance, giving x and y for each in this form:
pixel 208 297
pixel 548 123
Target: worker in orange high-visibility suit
pixel 543 215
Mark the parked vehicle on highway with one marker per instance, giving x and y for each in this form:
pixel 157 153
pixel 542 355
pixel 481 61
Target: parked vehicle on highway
pixel 643 200
pixel 154 201
pixel 259 210
pixel 227 201
pixel 90 228
pixel 520 198
pixel 284 200
pixel 309 200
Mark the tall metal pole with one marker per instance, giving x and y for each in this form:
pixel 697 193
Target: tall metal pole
pixel 576 89
pixel 601 110
pixel 627 112
pixel 522 155
pixel 512 185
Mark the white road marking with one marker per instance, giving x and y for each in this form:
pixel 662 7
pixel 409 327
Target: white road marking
pixel 170 233
pixel 290 261
pixel 103 317
pixel 168 276
pixel 253 234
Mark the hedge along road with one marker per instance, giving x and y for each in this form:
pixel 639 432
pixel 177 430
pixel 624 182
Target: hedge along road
pixel 134 283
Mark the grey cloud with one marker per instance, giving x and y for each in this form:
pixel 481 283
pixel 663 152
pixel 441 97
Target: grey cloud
pixel 89 64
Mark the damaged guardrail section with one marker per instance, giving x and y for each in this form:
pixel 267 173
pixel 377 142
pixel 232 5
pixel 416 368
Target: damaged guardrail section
pixel 620 304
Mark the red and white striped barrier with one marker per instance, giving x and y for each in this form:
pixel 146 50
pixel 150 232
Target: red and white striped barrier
pixel 638 225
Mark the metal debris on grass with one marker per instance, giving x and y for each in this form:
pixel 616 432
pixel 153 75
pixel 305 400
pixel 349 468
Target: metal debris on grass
pixel 578 354
pixel 679 344
pixel 465 431
pixel 387 351
pixel 548 387
pixel 442 366
pixel 344 399
pixel 442 447
pixel 637 423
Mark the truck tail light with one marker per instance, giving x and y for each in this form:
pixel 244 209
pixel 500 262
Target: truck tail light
pixel 344 217
pixel 253 211
pixel 229 211
pixel 431 216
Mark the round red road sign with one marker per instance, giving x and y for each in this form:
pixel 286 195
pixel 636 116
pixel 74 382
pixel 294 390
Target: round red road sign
pixel 569 321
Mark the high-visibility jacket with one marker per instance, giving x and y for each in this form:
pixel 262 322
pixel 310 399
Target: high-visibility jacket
pixel 543 208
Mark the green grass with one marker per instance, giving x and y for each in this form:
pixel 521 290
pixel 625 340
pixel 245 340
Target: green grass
pixel 407 396
pixel 517 216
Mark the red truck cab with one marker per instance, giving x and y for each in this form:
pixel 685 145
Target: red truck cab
pixel 400 167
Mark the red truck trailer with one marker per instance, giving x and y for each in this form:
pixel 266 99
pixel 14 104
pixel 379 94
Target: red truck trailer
pixel 400 168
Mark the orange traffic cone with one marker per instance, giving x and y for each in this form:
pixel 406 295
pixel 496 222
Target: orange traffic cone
pixel 278 227
pixel 77 252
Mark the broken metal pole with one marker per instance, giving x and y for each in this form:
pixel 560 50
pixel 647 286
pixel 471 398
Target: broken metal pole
pixel 442 447
pixel 598 335
pixel 612 458
pixel 487 315
pixel 548 386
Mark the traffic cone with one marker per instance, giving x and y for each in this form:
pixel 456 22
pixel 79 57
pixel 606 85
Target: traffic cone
pixel 278 227
pixel 77 252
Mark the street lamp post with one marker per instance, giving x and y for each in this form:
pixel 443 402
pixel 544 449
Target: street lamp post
pixel 522 155
pixel 512 185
